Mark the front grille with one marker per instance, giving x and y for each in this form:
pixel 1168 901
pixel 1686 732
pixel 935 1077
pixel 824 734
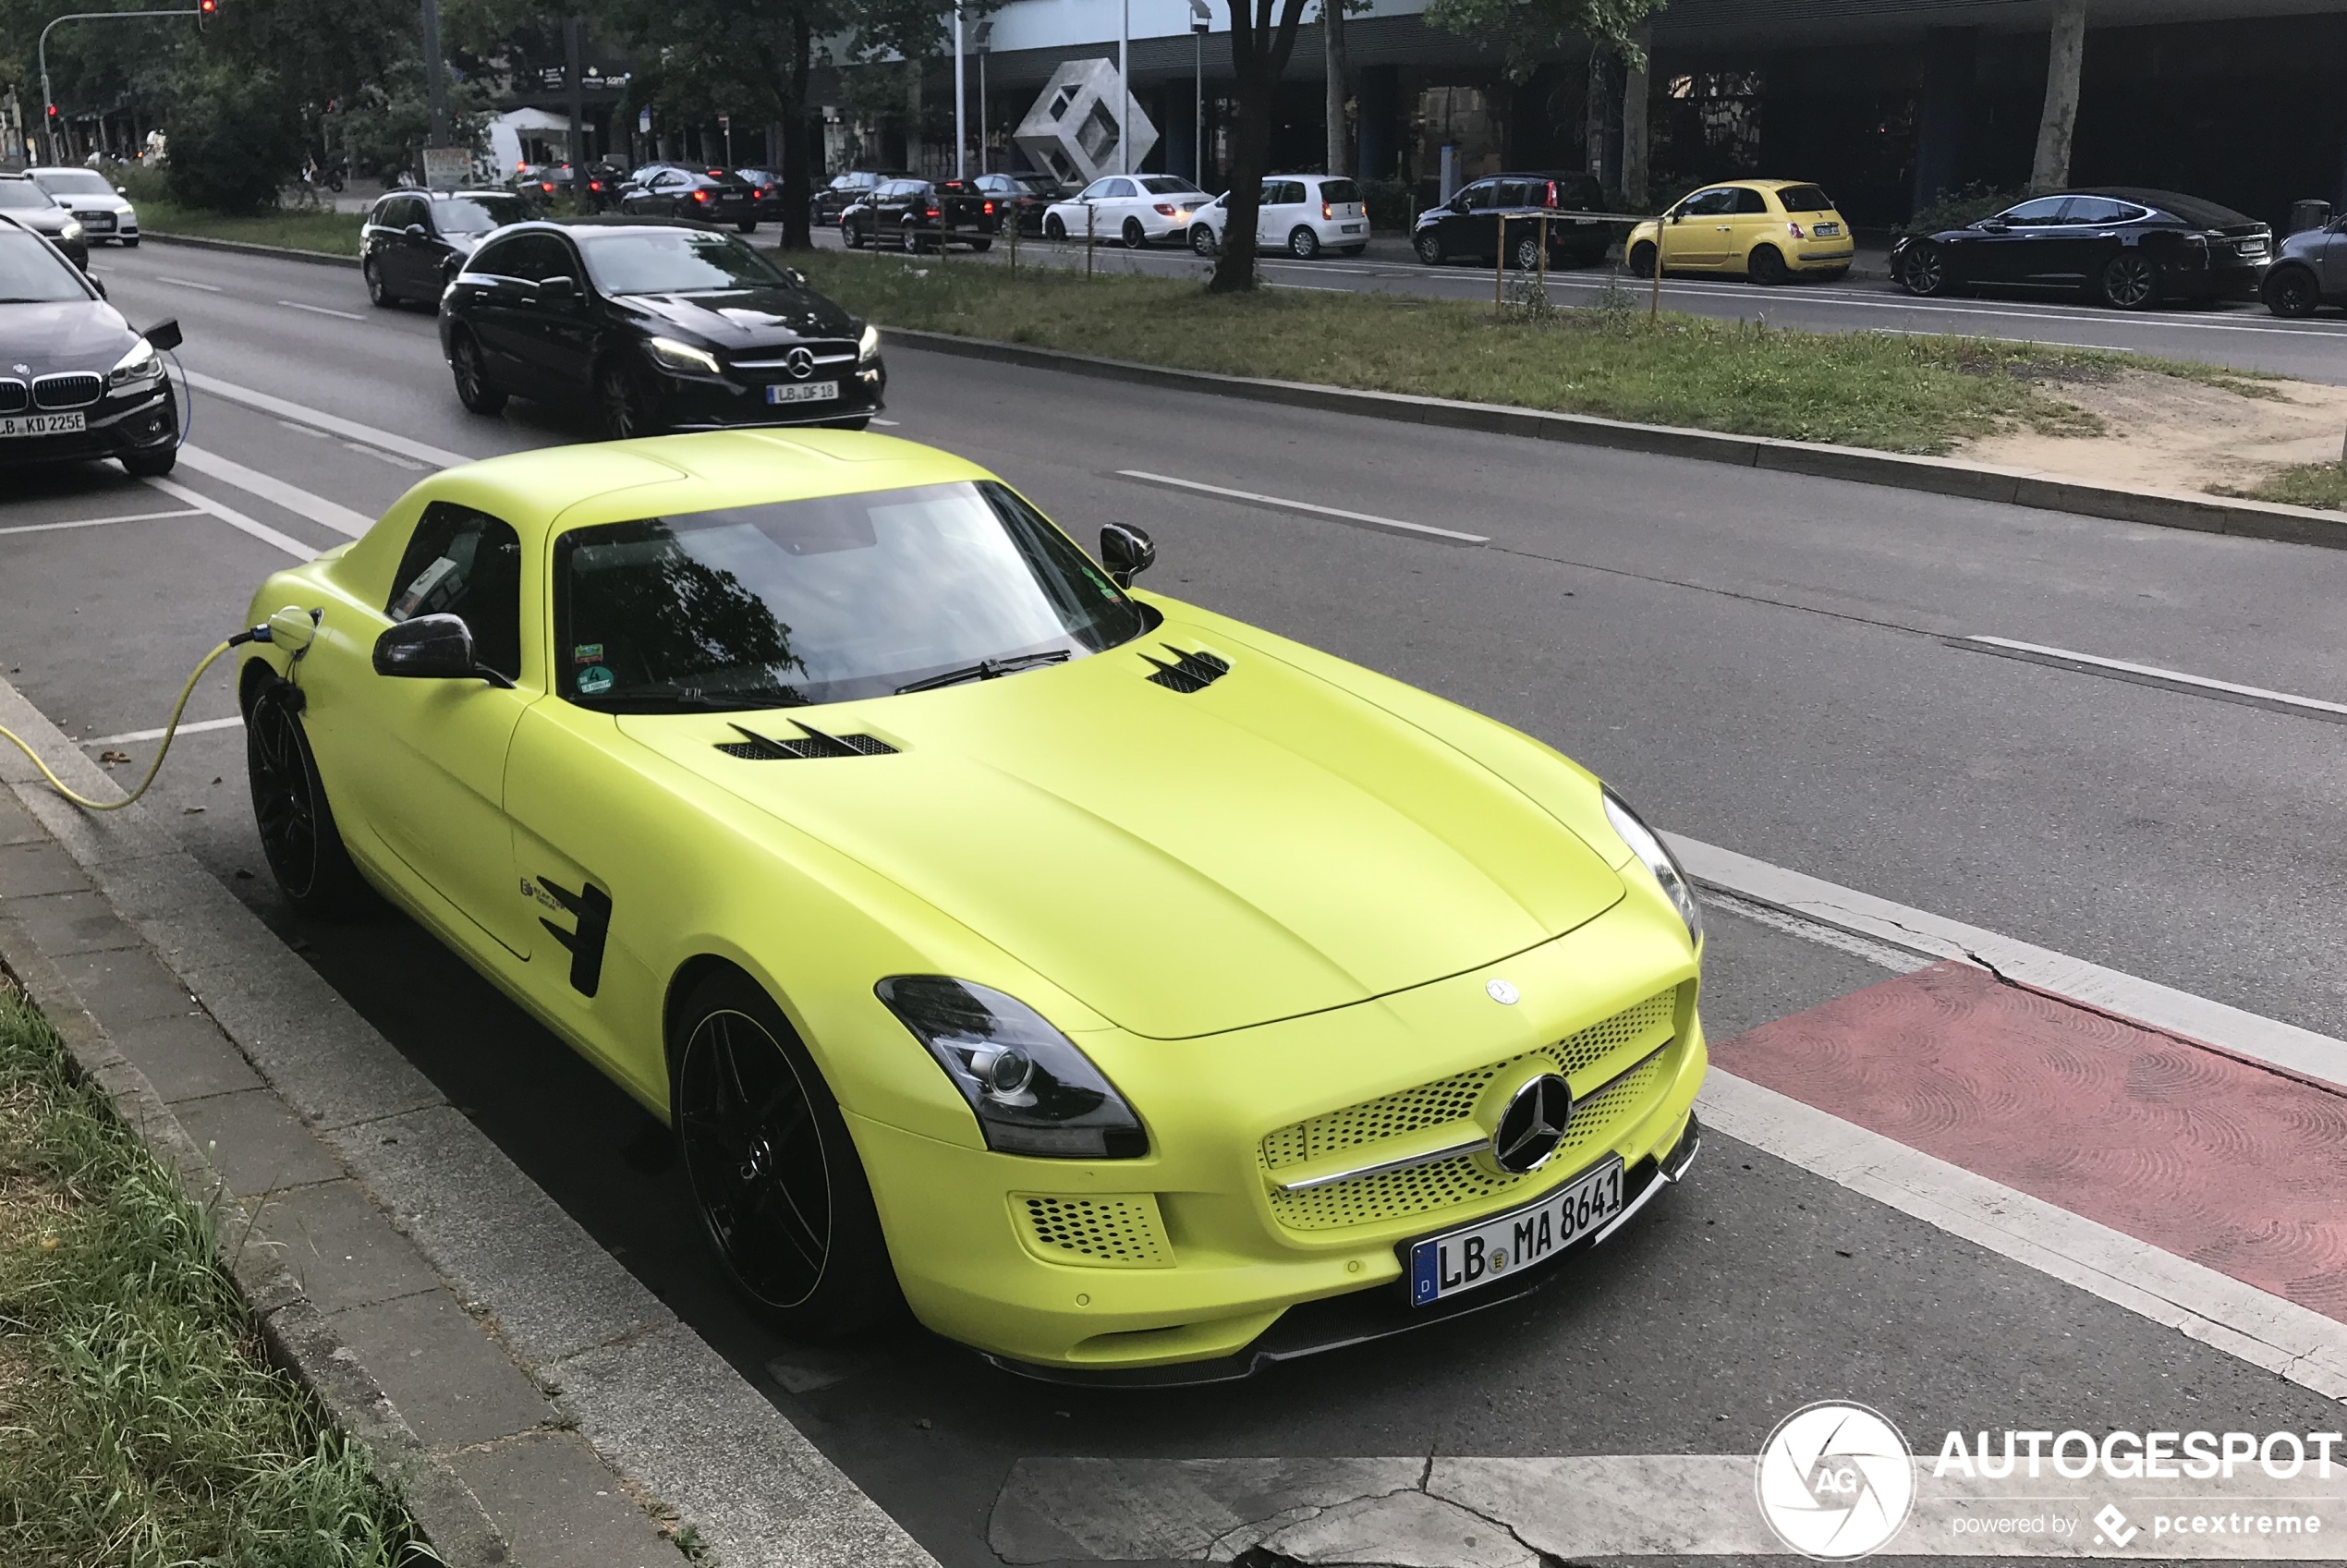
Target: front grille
pixel 1096 1232
pixel 1592 1060
pixel 96 222
pixel 15 397
pixel 75 389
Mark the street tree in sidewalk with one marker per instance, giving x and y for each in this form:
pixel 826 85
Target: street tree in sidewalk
pixel 1261 40
pixel 1532 32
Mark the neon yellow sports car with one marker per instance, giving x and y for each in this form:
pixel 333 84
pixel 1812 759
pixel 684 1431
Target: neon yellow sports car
pixel 1133 993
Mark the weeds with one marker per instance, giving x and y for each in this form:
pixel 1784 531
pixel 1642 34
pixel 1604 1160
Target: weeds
pixel 2308 484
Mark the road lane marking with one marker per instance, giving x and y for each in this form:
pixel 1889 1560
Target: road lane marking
pixel 191 283
pixel 197 727
pixel 318 418
pixel 890 423
pixel 98 522
pixel 237 520
pixel 320 311
pixel 276 491
pixel 380 456
pixel 2152 674
pixel 1365 518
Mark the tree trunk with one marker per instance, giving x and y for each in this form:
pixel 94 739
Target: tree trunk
pixel 797 153
pixel 2067 54
pixel 1594 121
pixel 1340 82
pixel 1634 125
pixel 1260 52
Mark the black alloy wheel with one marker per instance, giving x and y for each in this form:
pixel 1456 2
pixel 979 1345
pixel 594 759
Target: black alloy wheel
pixel 1053 227
pixel 748 225
pixel 472 379
pixel 621 402
pixel 1135 236
pixel 2293 292
pixel 2131 282
pixel 1525 254
pixel 296 827
pixel 1202 241
pixel 377 295
pixel 1925 271
pixel 782 1195
pixel 848 236
pixel 1303 244
pixel 1429 245
pixel 1765 266
pixel 1641 258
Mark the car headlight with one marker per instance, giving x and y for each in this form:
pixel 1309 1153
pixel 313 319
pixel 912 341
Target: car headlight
pixel 1647 845
pixel 71 231
pixel 868 346
pixel 143 363
pixel 683 356
pixel 1032 1091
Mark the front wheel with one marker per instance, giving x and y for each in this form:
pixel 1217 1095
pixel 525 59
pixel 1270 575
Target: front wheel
pixel 1135 236
pixel 1765 266
pixel 151 464
pixel 1641 258
pixel 774 1175
pixel 298 834
pixel 625 415
pixel 377 295
pixel 848 236
pixel 2293 292
pixel 1430 248
pixel 1053 228
pixel 2131 282
pixel 1202 241
pixel 1925 271
pixel 472 379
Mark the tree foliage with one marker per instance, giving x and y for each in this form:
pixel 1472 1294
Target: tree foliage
pixel 1530 31
pixel 235 138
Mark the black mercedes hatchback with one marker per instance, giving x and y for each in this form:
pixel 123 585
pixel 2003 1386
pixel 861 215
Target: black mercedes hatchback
pixel 76 381
pixel 2126 247
pixel 657 327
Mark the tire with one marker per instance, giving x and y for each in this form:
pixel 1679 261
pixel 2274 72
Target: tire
pixel 848 236
pixel 2293 292
pixel 775 1179
pixel 471 377
pixel 1352 250
pixel 1525 253
pixel 619 402
pixel 1640 260
pixel 2130 282
pixel 1303 244
pixel 908 239
pixel 980 247
pixel 1925 271
pixel 382 298
pixel 151 464
pixel 748 225
pixel 1053 227
pixel 1136 238
pixel 130 244
pixel 1429 246
pixel 1765 266
pixel 1202 241
pixel 296 826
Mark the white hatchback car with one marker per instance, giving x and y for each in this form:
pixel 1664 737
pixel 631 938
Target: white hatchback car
pixel 1302 214
pixel 103 211
pixel 1134 210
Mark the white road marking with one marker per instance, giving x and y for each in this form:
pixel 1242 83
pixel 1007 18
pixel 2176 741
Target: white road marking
pixel 2174 677
pixel 320 311
pixel 195 727
pixel 890 423
pixel 276 491
pixel 98 522
pixel 235 519
pixel 317 418
pixel 304 430
pixel 380 456
pixel 191 283
pixel 1367 519
pixel 2228 1029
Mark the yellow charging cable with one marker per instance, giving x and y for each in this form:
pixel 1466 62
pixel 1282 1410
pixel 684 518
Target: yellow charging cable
pixel 170 731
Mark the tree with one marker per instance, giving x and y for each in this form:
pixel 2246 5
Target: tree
pixel 1340 79
pixel 2050 170
pixel 1260 44
pixel 1530 31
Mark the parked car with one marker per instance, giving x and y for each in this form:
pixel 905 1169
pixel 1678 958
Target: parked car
pixel 1468 227
pixel 1302 214
pixel 843 190
pixel 76 382
pixel 102 208
pixel 32 208
pixel 1769 230
pixel 1134 209
pixel 412 242
pixel 766 186
pixel 2127 247
pixel 713 197
pixel 592 185
pixel 2309 270
pixel 1024 198
pixel 660 326
pixel 919 214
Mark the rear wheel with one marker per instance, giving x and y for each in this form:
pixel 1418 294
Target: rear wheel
pixel 1429 246
pixel 1135 236
pixel 982 245
pixel 296 827
pixel 1641 258
pixel 1524 254
pixel 748 225
pixel 130 244
pixel 1765 266
pixel 1201 240
pixel 1925 271
pixel 377 295
pixel 472 379
pixel 1303 243
pixel 2130 282
pixel 2293 291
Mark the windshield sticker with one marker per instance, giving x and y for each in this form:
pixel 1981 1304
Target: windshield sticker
pixel 587 653
pixel 595 680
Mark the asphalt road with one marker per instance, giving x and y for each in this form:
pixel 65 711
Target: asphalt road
pixel 1762 661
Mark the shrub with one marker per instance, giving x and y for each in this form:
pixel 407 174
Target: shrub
pixel 236 139
pixel 1392 203
pixel 1956 208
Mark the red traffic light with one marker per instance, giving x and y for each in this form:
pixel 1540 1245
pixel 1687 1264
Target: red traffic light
pixel 52 110
pixel 205 11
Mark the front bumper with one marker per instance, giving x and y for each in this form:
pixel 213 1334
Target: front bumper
pixel 134 423
pixel 694 402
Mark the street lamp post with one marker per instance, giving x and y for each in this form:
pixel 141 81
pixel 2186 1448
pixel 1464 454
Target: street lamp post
pixel 961 127
pixel 48 97
pixel 983 41
pixel 435 91
pixel 1124 88
pixel 1201 19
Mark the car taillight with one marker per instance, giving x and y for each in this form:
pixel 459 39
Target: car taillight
pixel 1553 193
pixel 1794 229
pixel 547 186
pixel 990 209
pixel 1165 209
pixel 715 174
pixel 932 212
pixel 1327 211
pixel 701 195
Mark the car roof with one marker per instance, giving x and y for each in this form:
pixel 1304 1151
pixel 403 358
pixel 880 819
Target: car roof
pixel 2191 209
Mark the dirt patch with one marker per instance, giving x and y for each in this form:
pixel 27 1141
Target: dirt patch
pixel 2162 433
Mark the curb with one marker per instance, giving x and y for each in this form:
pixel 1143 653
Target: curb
pixel 246 248
pixel 1938 476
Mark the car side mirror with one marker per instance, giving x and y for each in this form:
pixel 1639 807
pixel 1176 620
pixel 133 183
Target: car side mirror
pixel 97 283
pixel 416 231
pixel 431 648
pixel 165 335
pixel 796 279
pixel 1126 551
pixel 122 190
pixel 558 290
pixel 1995 225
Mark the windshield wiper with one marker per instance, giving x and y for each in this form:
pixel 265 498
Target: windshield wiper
pixel 986 669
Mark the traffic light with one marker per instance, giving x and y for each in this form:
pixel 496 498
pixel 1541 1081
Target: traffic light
pixel 205 11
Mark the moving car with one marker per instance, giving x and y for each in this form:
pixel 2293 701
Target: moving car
pixel 1134 209
pixel 2309 271
pixel 919 214
pixel 30 207
pixel 657 327
pixel 1767 230
pixel 843 191
pixel 412 242
pixel 1468 227
pixel 711 197
pixel 104 209
pixel 766 188
pixel 2127 247
pixel 1131 991
pixel 76 382
pixel 1302 214
pixel 1024 197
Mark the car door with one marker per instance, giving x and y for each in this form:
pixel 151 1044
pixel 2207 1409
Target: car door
pixel 2019 245
pixel 495 308
pixel 555 330
pixel 1698 235
pixel 1751 223
pixel 1275 207
pixel 2329 257
pixel 1467 226
pixel 2086 239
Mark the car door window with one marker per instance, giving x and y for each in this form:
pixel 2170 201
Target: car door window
pixel 1512 194
pixel 468 563
pixel 2043 211
pixel 1095 191
pixel 497 259
pixel 1709 203
pixel 2097 209
pixel 1483 195
pixel 1118 190
pixel 1751 203
pixel 537 257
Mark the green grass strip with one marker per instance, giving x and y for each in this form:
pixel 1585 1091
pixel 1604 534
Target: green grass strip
pixel 326 233
pixel 2308 484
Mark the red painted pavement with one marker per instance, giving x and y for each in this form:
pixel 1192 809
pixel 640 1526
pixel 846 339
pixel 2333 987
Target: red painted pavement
pixel 2233 1166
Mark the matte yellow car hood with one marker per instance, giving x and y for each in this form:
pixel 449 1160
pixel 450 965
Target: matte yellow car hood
pixel 1183 863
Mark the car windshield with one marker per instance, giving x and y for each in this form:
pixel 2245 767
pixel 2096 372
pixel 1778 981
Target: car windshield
pixel 31 273
pixel 74 182
pixel 478 214
pixel 1170 185
pixel 22 195
pixel 671 260
pixel 1805 199
pixel 822 600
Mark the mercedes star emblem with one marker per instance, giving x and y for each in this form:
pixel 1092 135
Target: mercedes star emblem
pixel 800 363
pixel 1502 992
pixel 1532 1124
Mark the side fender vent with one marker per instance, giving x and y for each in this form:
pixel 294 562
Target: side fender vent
pixel 1191 672
pixel 813 744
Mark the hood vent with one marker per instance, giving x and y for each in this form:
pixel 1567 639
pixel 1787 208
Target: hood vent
pixel 1194 671
pixel 756 748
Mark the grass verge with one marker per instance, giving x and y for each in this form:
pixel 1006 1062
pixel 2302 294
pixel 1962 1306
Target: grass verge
pixel 2308 484
pixel 331 234
pixel 138 1424
pixel 1892 393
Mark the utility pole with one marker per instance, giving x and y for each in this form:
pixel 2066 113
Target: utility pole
pixel 984 41
pixel 435 91
pixel 1201 20
pixel 961 125
pixel 1124 88
pixel 574 69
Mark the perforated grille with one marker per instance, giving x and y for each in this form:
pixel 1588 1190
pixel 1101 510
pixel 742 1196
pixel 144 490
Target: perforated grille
pixel 1100 1232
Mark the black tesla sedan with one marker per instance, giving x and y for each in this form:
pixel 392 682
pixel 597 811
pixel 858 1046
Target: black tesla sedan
pixel 713 197
pixel 76 381
pixel 32 208
pixel 658 326
pixel 413 241
pixel 2130 248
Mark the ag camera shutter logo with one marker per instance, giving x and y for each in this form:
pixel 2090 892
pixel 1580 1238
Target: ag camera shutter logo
pixel 1835 1481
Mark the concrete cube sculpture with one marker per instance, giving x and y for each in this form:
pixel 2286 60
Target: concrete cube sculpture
pixel 1072 130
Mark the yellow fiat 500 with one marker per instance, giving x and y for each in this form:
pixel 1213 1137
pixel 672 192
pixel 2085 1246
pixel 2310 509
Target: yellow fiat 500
pixel 1129 991
pixel 1767 230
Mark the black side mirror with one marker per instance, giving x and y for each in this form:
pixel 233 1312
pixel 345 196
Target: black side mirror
pixel 97 283
pixel 431 648
pixel 1995 225
pixel 558 291
pixel 416 231
pixel 165 335
pixel 1126 551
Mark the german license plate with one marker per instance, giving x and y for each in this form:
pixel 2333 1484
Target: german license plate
pixel 41 424
pixel 1352 229
pixel 1445 1266
pixel 804 391
pixel 1827 231
pixel 95 222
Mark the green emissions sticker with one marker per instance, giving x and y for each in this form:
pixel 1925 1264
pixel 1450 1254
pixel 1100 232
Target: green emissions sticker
pixel 587 653
pixel 595 680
